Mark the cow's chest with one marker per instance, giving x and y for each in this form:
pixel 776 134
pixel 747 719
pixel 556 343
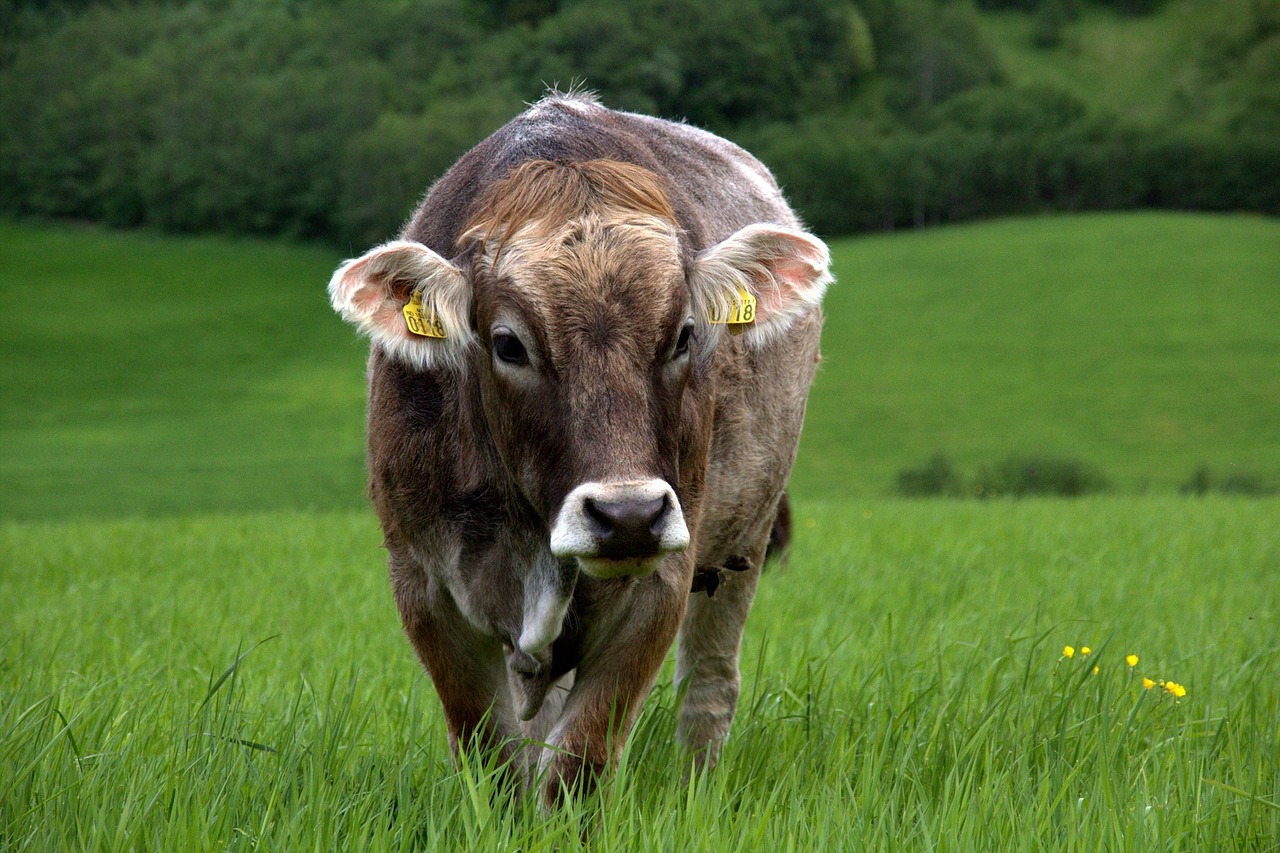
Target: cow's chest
pixel 508 587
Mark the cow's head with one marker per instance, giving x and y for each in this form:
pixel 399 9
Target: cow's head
pixel 586 324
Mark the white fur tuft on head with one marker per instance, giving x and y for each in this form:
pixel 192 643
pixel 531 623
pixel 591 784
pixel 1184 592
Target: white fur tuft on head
pixel 786 270
pixel 371 291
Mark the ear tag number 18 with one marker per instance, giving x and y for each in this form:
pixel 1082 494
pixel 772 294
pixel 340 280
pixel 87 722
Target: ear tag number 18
pixel 423 323
pixel 739 315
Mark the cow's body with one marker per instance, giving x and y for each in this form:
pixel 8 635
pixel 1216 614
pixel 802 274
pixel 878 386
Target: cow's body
pixel 580 390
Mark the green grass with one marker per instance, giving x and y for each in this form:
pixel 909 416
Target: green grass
pixel 182 670
pixel 147 375
pixel 902 690
pixel 1146 344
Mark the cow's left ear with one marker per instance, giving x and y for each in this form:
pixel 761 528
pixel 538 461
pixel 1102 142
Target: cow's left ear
pixel 372 291
pixel 786 270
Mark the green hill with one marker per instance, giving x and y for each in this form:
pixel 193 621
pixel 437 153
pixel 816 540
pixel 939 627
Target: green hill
pixel 149 374
pixel 156 375
pixel 1145 343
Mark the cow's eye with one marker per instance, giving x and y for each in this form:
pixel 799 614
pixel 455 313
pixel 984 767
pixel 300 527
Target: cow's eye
pixel 507 347
pixel 682 342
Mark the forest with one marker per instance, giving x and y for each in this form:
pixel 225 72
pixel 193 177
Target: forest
pixel 325 121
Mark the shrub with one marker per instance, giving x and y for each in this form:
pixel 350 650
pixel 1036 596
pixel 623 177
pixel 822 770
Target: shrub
pixel 1199 483
pixel 1240 483
pixel 1016 476
pixel 935 478
pixel 1020 476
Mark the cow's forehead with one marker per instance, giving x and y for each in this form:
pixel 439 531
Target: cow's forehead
pixel 595 276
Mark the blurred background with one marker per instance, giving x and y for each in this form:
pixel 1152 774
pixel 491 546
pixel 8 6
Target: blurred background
pixel 1053 225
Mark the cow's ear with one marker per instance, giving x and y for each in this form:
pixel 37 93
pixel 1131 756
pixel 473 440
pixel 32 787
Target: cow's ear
pixel 787 271
pixel 371 293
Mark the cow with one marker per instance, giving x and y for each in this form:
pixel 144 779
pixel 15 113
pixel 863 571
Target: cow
pixel 591 348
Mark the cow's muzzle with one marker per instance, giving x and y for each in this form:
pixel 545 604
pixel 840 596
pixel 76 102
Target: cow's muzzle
pixel 620 528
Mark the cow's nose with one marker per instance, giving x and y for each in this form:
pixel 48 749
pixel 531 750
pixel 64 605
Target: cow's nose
pixel 620 527
pixel 626 528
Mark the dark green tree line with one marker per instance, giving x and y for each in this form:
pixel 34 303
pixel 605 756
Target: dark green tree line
pixel 326 120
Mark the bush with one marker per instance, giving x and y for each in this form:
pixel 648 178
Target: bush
pixel 935 478
pixel 1021 476
pixel 1016 476
pixel 1199 483
pixel 1241 483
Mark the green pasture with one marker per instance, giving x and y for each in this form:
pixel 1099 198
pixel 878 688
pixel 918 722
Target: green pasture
pixel 147 375
pixel 1146 344
pixel 904 688
pixel 198 648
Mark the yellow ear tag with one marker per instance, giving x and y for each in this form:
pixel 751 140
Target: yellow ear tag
pixel 740 315
pixel 424 324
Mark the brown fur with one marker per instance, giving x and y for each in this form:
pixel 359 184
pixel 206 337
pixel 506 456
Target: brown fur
pixel 545 195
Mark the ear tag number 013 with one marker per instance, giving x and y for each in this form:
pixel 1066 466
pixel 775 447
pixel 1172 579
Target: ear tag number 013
pixel 423 323
pixel 739 315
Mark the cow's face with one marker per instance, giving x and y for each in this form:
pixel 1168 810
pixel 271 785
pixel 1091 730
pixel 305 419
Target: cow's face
pixel 591 343
pixel 586 345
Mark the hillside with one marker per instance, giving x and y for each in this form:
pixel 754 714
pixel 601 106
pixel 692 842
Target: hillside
pixel 1144 343
pixel 147 374
pixel 254 119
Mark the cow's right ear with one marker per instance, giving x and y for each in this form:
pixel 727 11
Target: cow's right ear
pixel 371 293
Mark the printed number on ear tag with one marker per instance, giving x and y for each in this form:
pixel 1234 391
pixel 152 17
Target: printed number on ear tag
pixel 739 315
pixel 423 323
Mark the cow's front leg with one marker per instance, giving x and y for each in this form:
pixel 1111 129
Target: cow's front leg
pixel 611 683
pixel 707 659
pixel 468 671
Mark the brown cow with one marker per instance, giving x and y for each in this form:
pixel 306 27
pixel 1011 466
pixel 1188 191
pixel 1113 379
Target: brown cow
pixel 591 350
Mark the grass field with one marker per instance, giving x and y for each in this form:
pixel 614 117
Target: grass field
pixel 198 648
pixel 146 374
pixel 1147 344
pixel 160 375
pixel 903 689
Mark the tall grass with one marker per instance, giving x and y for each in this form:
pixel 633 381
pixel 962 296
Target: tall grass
pixel 241 682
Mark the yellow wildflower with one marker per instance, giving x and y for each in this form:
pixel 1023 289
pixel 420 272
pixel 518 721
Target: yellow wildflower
pixel 1084 651
pixel 1132 660
pixel 1147 684
pixel 1068 652
pixel 1095 670
pixel 1175 688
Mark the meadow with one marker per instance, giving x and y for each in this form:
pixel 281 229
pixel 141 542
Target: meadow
pixel 146 374
pixel 240 682
pixel 198 648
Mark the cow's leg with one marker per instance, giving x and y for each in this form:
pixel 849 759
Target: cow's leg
pixel 539 728
pixel 468 671
pixel 610 685
pixel 707 660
